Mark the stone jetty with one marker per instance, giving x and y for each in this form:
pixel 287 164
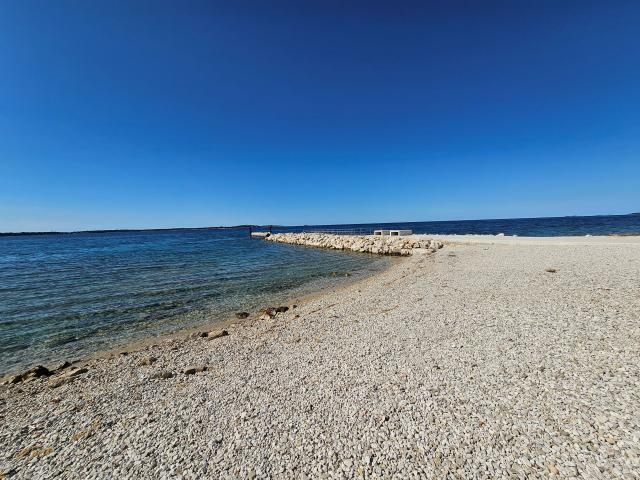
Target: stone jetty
pixel 383 245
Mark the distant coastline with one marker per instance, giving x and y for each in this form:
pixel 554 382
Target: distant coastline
pixel 253 226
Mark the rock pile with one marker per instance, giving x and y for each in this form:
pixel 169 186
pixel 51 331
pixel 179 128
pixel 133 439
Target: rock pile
pixel 384 245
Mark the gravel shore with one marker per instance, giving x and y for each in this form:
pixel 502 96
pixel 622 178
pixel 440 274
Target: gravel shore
pixel 491 358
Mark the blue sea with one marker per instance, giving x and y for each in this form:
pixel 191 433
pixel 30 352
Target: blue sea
pixel 65 296
pixel 524 227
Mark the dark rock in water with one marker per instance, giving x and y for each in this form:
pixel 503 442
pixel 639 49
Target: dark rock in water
pixel 214 335
pixel 194 370
pixel 148 361
pixel 163 375
pixel 241 315
pixel 281 309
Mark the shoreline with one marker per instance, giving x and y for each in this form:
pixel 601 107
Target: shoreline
pixel 485 358
pixel 296 296
pixel 146 341
pixel 251 320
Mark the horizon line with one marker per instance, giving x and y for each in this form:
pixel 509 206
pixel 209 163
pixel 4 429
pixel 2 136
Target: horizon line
pixel 247 225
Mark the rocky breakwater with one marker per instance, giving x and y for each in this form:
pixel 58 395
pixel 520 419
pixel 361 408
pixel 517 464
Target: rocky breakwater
pixel 383 245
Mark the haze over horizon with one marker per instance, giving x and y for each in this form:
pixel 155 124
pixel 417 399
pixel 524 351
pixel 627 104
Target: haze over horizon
pixel 153 115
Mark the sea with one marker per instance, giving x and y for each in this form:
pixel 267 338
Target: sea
pixel 68 296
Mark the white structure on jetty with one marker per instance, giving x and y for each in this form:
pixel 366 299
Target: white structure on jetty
pixel 393 233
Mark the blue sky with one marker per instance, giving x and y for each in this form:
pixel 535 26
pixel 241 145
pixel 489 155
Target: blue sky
pixel 119 114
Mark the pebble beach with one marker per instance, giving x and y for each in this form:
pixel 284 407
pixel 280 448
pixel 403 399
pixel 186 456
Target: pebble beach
pixel 491 357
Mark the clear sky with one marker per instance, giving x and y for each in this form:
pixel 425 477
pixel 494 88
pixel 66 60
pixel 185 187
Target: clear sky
pixel 159 114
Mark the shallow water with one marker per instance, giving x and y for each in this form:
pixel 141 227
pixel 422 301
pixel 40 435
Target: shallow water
pixel 67 296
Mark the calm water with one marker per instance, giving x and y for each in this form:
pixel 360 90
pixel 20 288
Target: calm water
pixel 533 227
pixel 66 296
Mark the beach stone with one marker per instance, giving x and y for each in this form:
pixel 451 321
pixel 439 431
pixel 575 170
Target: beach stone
pixel 241 315
pixel 194 370
pixel 58 382
pixel 148 361
pixel 164 374
pixel 215 335
pixel 198 335
pixel 76 371
pixel 267 313
pixel 55 383
pixel 281 309
pixel 67 376
pixel 34 451
pixel 35 372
